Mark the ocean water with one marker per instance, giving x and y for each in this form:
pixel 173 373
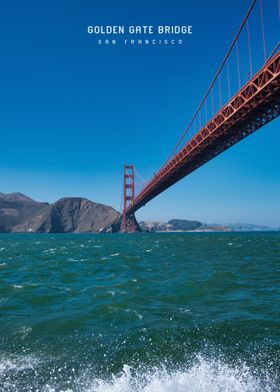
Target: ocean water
pixel 195 312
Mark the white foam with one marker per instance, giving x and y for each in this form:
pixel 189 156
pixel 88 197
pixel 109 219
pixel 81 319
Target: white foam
pixel 17 363
pixel 50 251
pixel 204 376
pixel 24 332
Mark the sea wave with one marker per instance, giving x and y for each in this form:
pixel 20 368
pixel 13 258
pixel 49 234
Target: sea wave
pixel 17 363
pixel 202 376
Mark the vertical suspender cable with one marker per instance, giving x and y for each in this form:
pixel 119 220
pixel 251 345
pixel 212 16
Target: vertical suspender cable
pixel 220 90
pixel 142 180
pixel 215 78
pixel 212 100
pixel 262 25
pixel 228 79
pixel 206 111
pixel 249 48
pixel 238 65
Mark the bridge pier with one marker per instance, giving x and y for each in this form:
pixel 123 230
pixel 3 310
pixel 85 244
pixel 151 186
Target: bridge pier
pixel 129 224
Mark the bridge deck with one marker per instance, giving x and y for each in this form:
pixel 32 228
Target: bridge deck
pixel 257 103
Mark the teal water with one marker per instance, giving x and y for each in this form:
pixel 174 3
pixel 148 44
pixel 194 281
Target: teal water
pixel 143 312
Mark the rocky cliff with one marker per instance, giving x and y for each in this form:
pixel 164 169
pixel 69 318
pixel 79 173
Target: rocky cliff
pixel 71 215
pixel 15 208
pixel 18 213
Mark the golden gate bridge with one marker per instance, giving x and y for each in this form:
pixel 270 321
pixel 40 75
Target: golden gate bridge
pixel 229 111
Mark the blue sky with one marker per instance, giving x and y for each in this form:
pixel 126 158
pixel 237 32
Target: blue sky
pixel 73 112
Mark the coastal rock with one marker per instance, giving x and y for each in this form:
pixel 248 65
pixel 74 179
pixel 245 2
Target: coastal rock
pixel 15 208
pixel 71 215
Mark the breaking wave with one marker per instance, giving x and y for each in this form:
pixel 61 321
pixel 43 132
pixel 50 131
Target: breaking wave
pixel 20 374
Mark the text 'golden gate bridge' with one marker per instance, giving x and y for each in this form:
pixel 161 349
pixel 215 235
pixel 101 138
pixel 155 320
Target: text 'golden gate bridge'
pixel 243 96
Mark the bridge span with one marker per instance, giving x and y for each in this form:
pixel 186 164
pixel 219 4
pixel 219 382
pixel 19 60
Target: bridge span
pixel 255 104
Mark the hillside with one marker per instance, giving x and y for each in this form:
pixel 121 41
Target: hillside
pixel 15 208
pixel 172 225
pixel 71 215
pixel 19 213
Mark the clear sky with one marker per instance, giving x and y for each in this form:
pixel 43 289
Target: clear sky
pixel 73 112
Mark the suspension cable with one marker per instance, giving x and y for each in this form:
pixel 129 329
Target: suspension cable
pixel 214 80
pixel 274 50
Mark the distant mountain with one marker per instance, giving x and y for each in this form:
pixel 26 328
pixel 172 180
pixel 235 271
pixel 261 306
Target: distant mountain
pixel 16 208
pixel 71 215
pixel 172 225
pixel 15 197
pixel 248 227
pixel 183 224
pixel 186 225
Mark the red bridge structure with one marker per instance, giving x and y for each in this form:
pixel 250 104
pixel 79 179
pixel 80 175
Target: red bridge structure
pixel 222 119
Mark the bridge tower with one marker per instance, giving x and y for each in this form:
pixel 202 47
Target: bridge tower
pixel 128 224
